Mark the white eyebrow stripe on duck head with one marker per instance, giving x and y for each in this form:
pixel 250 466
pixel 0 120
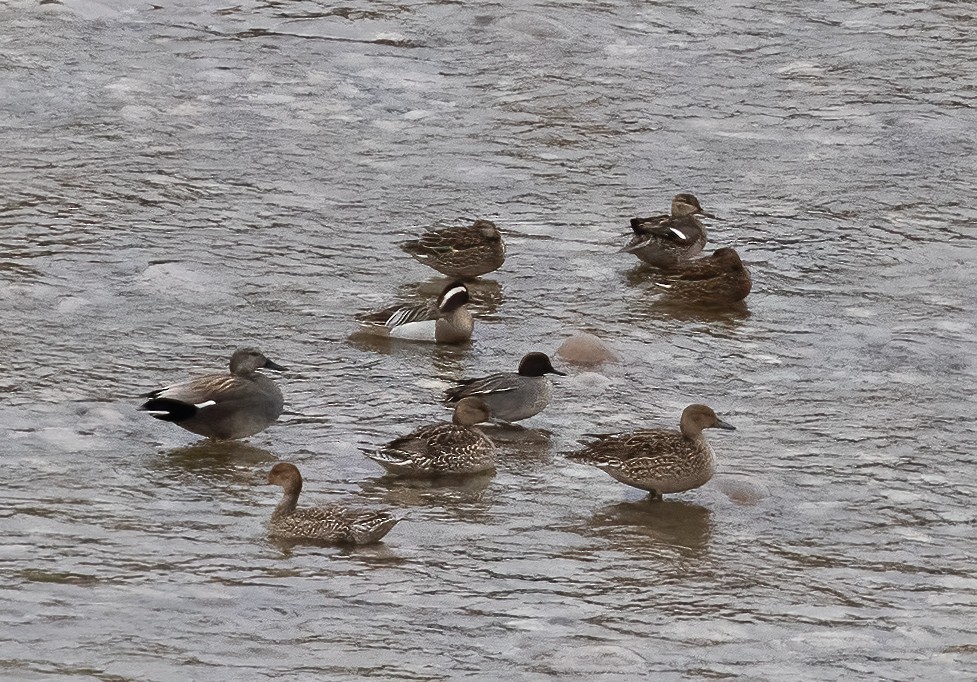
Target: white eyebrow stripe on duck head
pixel 450 293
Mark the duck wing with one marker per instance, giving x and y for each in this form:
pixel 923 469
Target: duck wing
pixel 492 384
pixel 396 316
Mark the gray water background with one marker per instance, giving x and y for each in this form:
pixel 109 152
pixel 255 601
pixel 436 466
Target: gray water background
pixel 182 178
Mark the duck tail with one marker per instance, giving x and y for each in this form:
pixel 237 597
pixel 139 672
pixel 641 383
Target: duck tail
pixel 169 410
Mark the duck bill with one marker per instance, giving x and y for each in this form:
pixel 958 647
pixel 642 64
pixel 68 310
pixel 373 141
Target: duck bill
pixel 723 425
pixel 274 365
pixel 706 214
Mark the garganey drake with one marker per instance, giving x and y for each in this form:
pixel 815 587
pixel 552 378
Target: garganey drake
pixel 446 320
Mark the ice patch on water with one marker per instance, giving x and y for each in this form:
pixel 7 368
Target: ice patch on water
pixel 177 280
pixel 599 658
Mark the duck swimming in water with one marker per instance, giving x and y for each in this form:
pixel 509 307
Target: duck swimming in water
pixel 664 240
pixel 222 406
pixel 660 461
pixel 332 524
pixel 464 252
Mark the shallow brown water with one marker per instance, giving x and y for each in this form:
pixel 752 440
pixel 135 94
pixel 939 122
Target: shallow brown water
pixel 185 179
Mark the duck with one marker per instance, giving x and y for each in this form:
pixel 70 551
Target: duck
pixel 664 240
pixel 445 320
pixel 463 252
pixel 455 447
pixel 332 524
pixel 715 280
pixel 512 396
pixel 222 406
pixel 661 461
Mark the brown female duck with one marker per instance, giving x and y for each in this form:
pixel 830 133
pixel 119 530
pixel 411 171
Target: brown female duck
pixel 716 280
pixel 331 524
pixel 658 460
pixel 464 252
pixel 455 447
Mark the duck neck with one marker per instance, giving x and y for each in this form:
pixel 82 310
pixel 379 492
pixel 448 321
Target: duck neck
pixel 454 326
pixel 690 431
pixel 289 500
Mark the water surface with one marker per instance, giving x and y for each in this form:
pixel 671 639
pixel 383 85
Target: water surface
pixel 185 178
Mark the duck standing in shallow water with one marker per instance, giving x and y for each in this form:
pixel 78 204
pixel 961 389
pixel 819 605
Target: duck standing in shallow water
pixel 222 406
pixel 658 460
pixel 446 320
pixel 457 447
pixel 512 396
pixel 664 240
pixel 716 280
pixel 332 524
pixel 465 252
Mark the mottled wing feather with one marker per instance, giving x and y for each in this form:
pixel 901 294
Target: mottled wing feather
pixel 320 523
pixel 334 523
pixel 616 449
pixel 442 242
pixel 442 447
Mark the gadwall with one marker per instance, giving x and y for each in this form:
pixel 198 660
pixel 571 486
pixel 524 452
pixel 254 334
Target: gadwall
pixel 445 320
pixel 664 240
pixel 332 524
pixel 465 252
pixel 222 406
pixel 512 396
pixel 658 460
pixel 455 447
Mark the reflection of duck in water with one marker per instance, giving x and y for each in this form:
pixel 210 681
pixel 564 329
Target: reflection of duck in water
pixel 204 453
pixel 224 465
pixel 658 460
pixel 447 492
pixel 464 252
pixel 664 240
pixel 718 280
pixel 332 524
pixel 673 522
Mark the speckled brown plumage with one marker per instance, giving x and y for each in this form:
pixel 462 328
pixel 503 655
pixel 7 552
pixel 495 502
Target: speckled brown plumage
pixel 331 524
pixel 443 448
pixel 465 252
pixel 713 281
pixel 658 460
